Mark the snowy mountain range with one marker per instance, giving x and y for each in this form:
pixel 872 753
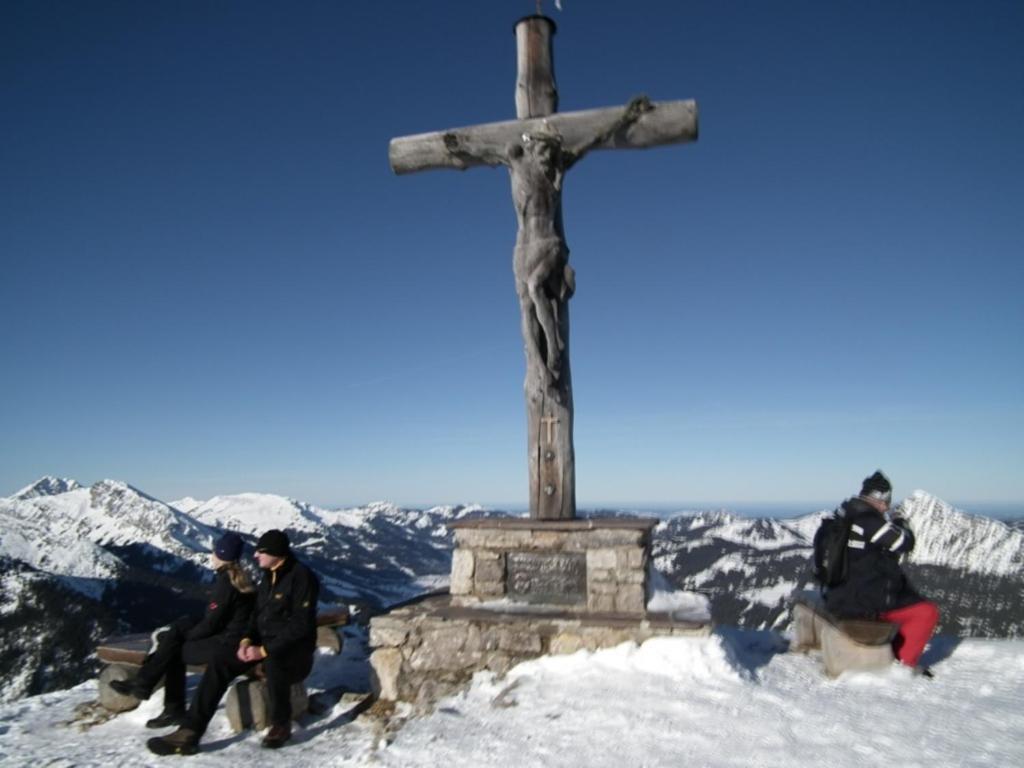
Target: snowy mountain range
pixel 973 566
pixel 79 563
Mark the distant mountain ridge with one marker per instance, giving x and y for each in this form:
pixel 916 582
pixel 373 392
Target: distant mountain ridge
pixel 73 533
pixel 129 560
pixel 47 486
pixel 74 530
pixel 948 537
pixel 972 565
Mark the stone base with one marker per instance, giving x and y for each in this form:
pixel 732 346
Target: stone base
pixel 845 645
pixel 248 704
pixel 586 565
pixel 432 649
pixel 108 697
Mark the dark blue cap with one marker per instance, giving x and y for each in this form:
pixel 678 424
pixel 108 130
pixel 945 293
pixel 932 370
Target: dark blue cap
pixel 228 547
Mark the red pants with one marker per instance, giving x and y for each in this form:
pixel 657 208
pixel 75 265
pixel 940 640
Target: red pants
pixel 916 623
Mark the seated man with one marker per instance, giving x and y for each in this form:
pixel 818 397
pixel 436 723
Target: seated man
pixel 875 586
pixel 282 636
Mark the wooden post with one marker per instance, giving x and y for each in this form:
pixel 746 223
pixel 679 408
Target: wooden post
pixel 536 92
pixel 549 406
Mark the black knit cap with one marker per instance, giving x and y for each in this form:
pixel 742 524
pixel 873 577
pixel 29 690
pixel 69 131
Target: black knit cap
pixel 877 487
pixel 273 543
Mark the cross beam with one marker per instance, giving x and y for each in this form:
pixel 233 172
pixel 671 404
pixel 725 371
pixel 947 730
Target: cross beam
pixel 538 149
pixel 661 123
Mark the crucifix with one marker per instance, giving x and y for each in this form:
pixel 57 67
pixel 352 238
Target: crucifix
pixel 538 148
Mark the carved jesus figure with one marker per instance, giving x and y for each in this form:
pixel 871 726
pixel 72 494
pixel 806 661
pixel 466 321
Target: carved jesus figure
pixel 544 279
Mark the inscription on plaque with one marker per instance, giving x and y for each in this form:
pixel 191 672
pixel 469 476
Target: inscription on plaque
pixel 558 578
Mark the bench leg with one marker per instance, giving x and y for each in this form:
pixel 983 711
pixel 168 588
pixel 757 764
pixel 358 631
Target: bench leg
pixel 804 629
pixel 108 697
pixel 248 704
pixel 842 654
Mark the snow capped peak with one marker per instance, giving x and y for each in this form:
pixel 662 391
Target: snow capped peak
pixel 947 536
pixel 255 513
pixel 110 512
pixel 48 548
pixel 118 489
pixel 923 504
pixel 458 511
pixel 380 507
pixel 705 518
pixel 47 486
pixel 434 518
pixel 186 504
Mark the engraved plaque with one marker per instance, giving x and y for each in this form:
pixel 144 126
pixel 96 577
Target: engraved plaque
pixel 555 578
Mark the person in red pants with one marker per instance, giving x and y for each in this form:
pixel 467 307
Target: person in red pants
pixel 875 586
pixel 916 623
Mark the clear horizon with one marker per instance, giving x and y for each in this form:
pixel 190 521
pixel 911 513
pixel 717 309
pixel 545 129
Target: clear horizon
pixel 997 510
pixel 213 282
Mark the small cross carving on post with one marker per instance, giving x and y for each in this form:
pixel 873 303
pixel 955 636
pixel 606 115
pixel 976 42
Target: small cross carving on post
pixel 538 149
pixel 549 421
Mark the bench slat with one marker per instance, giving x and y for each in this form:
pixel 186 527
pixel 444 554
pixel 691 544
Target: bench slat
pixel 867 632
pixel 132 649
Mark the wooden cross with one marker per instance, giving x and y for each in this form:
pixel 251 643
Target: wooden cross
pixel 538 148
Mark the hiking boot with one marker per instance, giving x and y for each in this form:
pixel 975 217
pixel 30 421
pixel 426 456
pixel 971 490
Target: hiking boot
pixel 167 718
pixel 129 688
pixel 277 736
pixel 183 741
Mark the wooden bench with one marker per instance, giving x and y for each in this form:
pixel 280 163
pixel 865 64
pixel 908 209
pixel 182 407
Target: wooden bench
pixel 845 644
pixel 122 656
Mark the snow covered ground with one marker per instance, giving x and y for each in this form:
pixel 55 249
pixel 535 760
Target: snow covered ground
pixel 733 699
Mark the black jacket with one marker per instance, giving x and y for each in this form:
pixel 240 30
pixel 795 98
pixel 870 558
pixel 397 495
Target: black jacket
pixel 285 617
pixel 228 613
pixel 875 582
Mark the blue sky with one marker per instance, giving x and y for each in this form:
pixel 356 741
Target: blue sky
pixel 212 282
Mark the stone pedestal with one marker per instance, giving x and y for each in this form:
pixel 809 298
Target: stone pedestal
pixel 521 588
pixel 584 565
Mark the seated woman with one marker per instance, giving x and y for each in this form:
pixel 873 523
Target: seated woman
pixel 186 641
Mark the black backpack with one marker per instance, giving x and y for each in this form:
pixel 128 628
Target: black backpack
pixel 830 550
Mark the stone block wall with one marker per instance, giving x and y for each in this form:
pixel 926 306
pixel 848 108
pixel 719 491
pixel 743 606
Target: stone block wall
pixel 426 651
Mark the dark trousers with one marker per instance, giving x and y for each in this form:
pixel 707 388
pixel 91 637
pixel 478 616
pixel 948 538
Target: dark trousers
pixel 169 659
pixel 281 671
